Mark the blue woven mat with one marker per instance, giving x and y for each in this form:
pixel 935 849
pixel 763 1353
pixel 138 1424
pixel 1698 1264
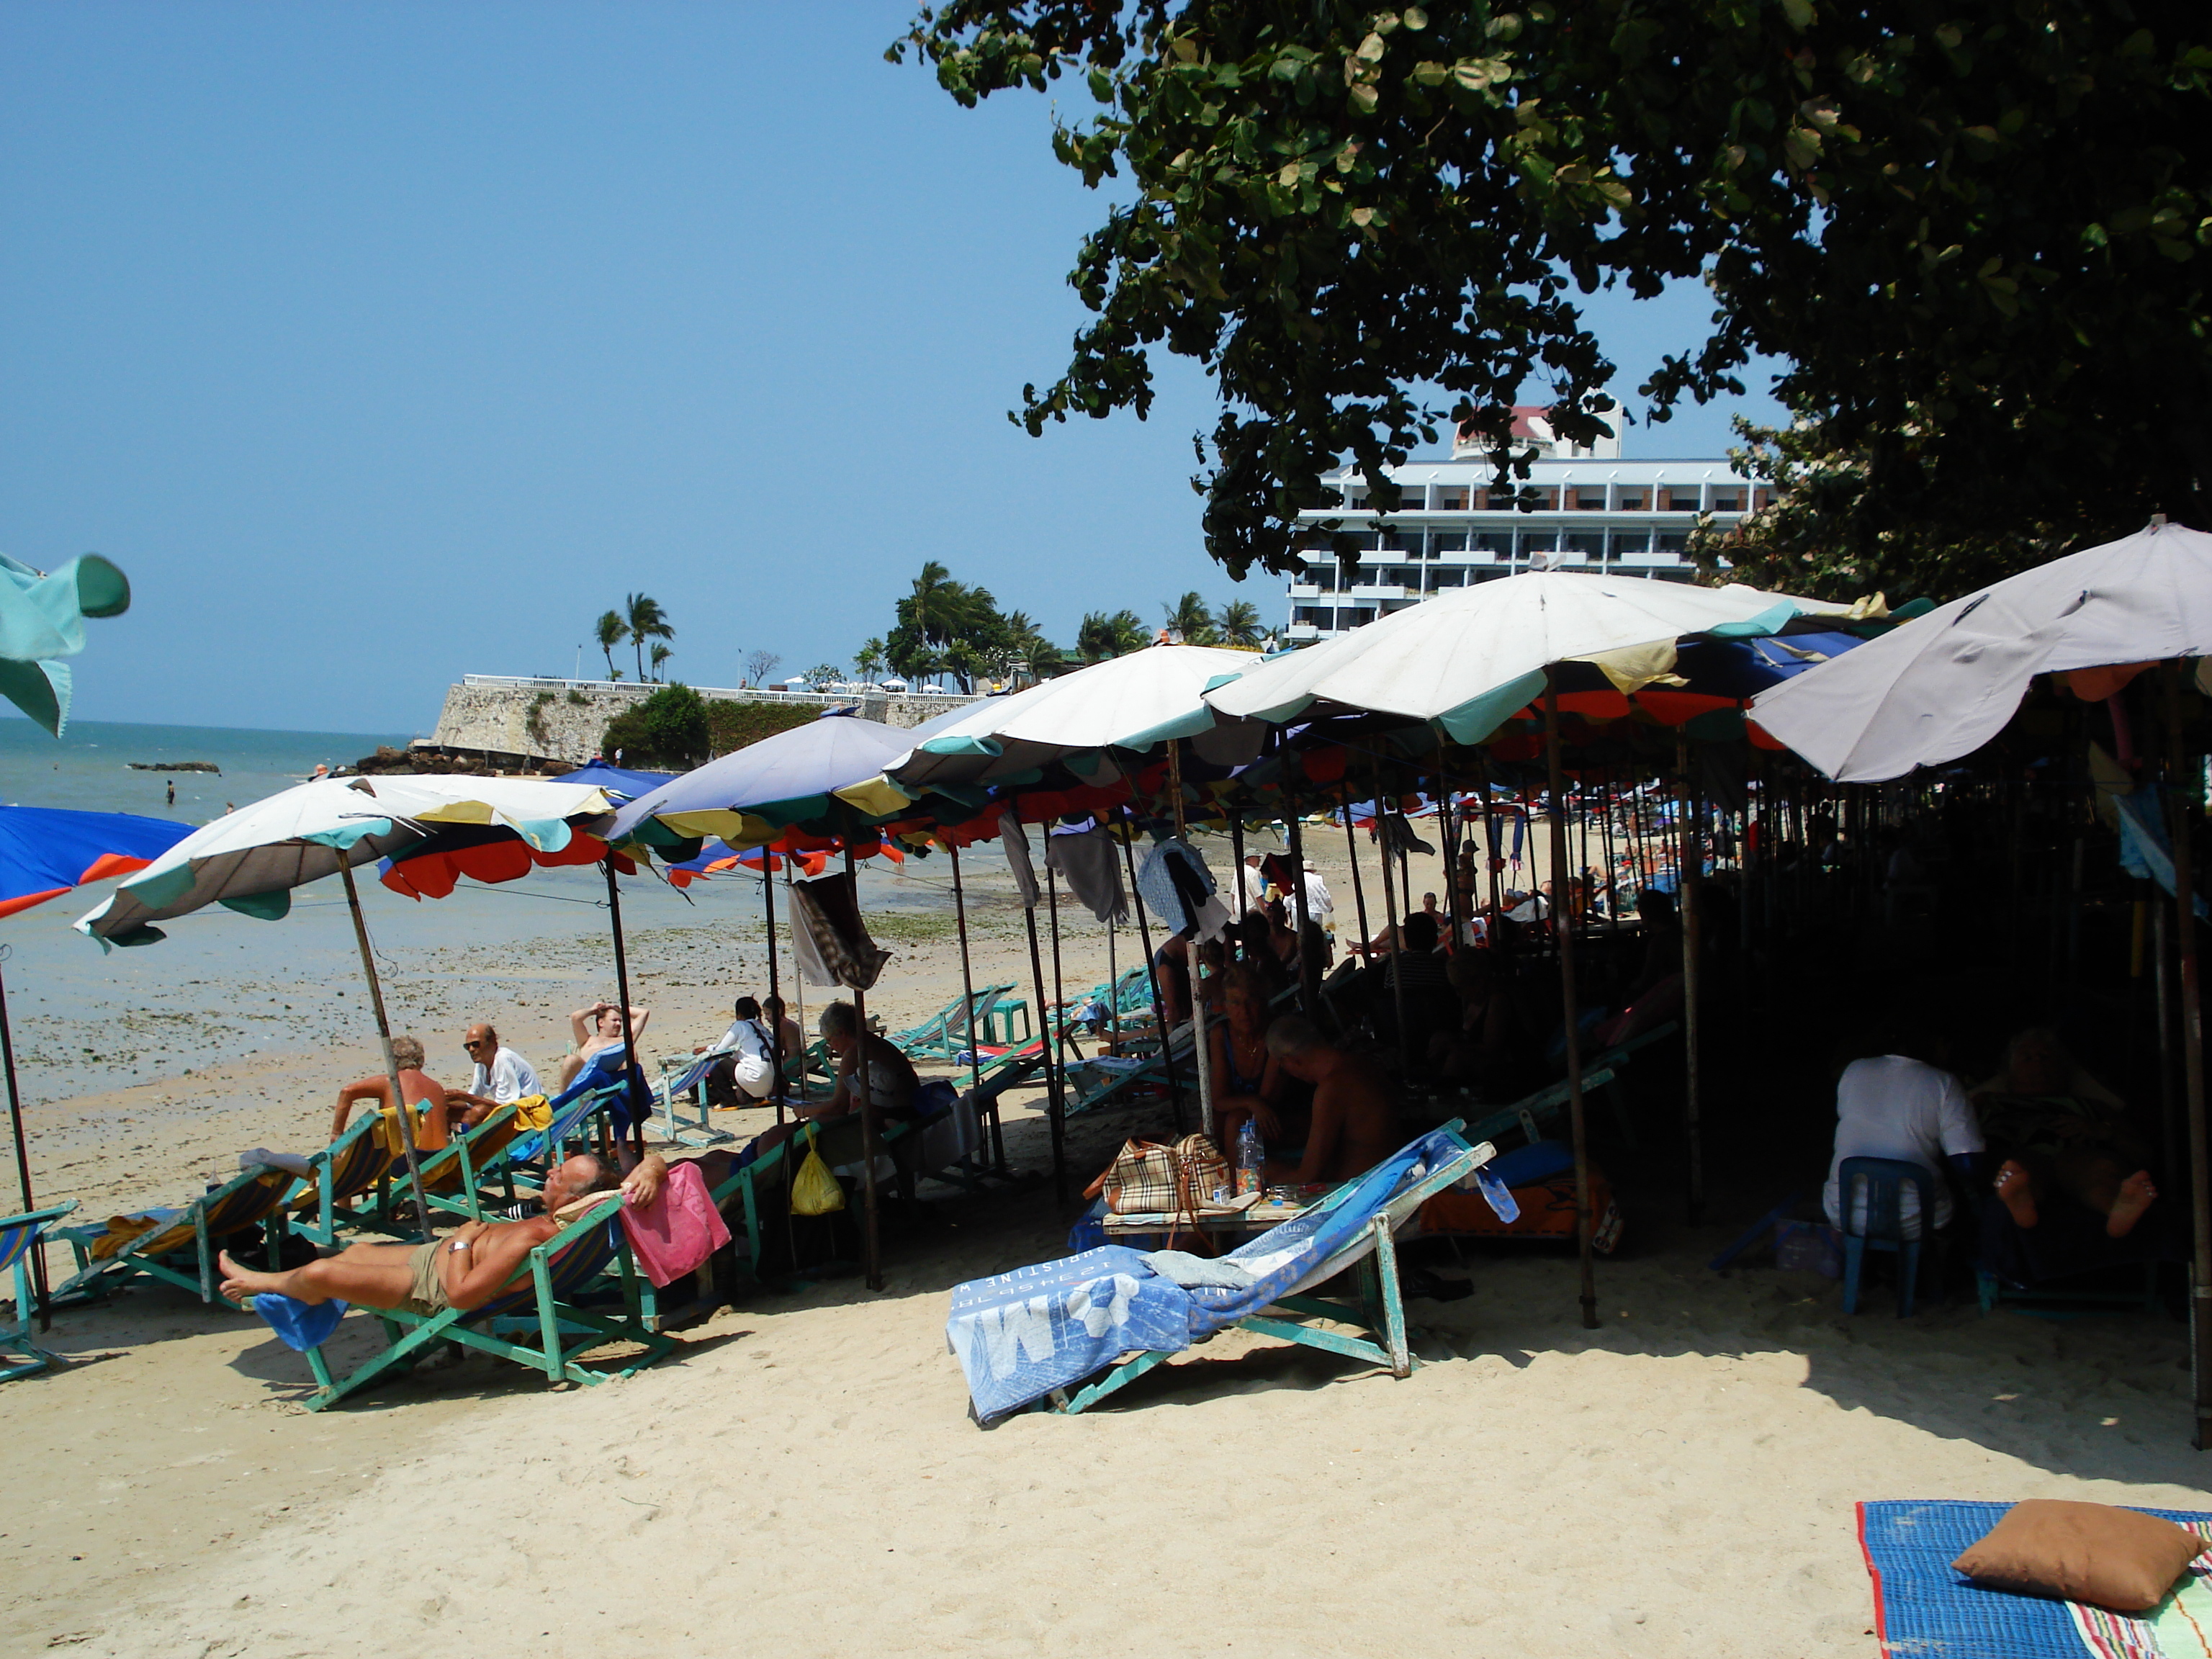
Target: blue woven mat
pixel 1925 1610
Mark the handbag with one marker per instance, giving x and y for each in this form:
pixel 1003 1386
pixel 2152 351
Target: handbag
pixel 1149 1177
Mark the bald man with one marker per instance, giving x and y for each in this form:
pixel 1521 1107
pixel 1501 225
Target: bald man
pixel 465 1269
pixel 502 1076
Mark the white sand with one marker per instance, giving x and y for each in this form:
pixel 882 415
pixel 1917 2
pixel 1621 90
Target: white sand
pixel 802 1477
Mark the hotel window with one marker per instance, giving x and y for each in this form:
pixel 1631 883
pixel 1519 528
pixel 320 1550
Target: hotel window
pixel 1411 498
pixel 1590 547
pixel 1447 544
pixel 1589 500
pixel 1674 544
pixel 1494 541
pixel 1728 501
pixel 1401 541
pixel 1538 541
pixel 1678 501
pixel 1543 500
pixel 1450 500
pixel 1631 501
pixel 1631 541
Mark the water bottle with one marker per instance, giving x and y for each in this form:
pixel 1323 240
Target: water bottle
pixel 1249 1157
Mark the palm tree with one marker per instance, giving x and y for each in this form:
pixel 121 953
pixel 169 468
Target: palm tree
pixel 613 630
pixel 1238 622
pixel 1037 658
pixel 1101 636
pixel 645 620
pixel 661 654
pixel 1189 617
pixel 868 660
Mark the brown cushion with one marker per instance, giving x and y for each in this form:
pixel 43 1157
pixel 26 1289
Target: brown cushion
pixel 2112 1558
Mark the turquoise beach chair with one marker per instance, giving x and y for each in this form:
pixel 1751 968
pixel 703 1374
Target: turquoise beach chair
pixel 350 1166
pixel 181 1247
pixel 20 1238
pixel 987 1016
pixel 564 1265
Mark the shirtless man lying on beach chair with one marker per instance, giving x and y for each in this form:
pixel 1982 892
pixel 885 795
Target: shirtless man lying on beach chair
pixel 599 1026
pixel 465 1269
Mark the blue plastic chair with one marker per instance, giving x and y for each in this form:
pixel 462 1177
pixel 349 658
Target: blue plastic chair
pixel 1879 1225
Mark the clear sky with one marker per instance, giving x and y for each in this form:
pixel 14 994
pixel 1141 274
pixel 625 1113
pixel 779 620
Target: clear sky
pixel 380 344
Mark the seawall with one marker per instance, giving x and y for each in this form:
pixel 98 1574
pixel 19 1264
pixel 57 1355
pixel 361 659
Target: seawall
pixel 518 719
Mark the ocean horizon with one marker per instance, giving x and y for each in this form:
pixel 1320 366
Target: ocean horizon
pixel 88 768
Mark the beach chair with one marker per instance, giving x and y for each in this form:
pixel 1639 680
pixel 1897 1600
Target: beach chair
pixel 564 1265
pixel 178 1246
pixel 21 1236
pixel 350 1166
pixel 987 1016
pixel 1528 1113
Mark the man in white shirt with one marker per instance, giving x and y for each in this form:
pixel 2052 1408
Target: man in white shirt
pixel 1896 1108
pixel 1320 905
pixel 502 1077
pixel 747 1066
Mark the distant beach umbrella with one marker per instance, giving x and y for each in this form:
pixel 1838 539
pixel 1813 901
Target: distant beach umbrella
pixel 747 798
pixel 45 852
pixel 42 621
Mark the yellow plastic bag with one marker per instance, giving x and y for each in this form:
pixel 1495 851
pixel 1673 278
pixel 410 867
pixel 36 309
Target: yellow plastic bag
pixel 814 1190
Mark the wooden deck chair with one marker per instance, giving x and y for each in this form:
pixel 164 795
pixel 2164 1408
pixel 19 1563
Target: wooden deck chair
pixel 1375 1308
pixel 559 1268
pixel 20 1238
pixel 353 1163
pixel 108 1254
pixel 1104 1078
pixel 985 1015
pixel 1528 1113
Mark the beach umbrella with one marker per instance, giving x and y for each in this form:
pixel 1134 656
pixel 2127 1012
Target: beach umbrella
pixel 42 621
pixel 251 860
pixel 45 852
pixel 1944 685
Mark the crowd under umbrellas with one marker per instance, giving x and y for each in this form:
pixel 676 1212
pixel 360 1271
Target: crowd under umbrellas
pixel 1673 725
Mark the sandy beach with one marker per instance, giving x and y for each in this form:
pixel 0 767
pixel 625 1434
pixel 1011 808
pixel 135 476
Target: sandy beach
pixel 801 1477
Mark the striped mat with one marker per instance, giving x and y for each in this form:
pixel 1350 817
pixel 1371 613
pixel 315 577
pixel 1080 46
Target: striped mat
pixel 1925 1610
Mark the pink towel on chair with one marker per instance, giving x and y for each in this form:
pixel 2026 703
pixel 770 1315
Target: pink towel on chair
pixel 679 1229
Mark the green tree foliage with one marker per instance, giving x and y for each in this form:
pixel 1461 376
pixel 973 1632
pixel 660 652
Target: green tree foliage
pixel 661 653
pixel 1975 233
pixel 1103 635
pixel 947 627
pixel 1189 617
pixel 734 725
pixel 643 619
pixel 1238 622
pixel 868 660
pixel 823 675
pixel 669 730
pixel 611 631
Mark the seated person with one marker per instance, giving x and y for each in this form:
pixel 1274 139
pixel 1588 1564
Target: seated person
pixel 598 1027
pixel 2062 1132
pixel 1893 1106
pixel 422 1091
pixel 746 1071
pixel 1255 948
pixel 502 1076
pixel 1247 1081
pixel 1662 942
pixel 892 1084
pixel 465 1269
pixel 1489 1049
pixel 1355 1112
pixel 1172 968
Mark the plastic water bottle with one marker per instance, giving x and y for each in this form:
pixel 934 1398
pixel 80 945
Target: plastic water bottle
pixel 1249 1157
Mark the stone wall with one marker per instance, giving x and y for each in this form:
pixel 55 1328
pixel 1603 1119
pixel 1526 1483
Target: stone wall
pixel 497 717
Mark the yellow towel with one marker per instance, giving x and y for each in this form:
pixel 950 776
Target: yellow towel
pixel 533 1112
pixel 388 1136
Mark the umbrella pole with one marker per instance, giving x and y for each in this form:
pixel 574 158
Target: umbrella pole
pixel 2192 1067
pixel 22 1159
pixel 1059 1030
pixel 1151 967
pixel 1358 892
pixel 1693 872
pixel 383 1038
pixel 1237 852
pixel 872 1228
pixel 1055 1102
pixel 1201 1041
pixel 640 1105
pixel 1309 987
pixel 775 1026
pixel 968 990
pixel 798 980
pixel 1565 937
pixel 1390 912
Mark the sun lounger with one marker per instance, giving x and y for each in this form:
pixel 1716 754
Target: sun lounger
pixel 20 1238
pixel 107 1254
pixel 987 1016
pixel 353 1164
pixel 1111 1314
pixel 559 1269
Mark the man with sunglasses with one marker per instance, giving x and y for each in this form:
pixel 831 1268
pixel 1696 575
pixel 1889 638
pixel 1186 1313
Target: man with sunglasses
pixel 502 1077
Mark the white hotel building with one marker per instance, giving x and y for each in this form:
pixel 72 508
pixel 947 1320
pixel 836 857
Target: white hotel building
pixel 1600 513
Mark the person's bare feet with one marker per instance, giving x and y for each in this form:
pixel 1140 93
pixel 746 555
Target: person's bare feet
pixel 2016 1191
pixel 239 1283
pixel 2136 1196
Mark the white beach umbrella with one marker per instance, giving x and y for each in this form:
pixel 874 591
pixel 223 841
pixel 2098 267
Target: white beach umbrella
pixel 1944 685
pixel 1469 659
pixel 1130 702
pixel 250 860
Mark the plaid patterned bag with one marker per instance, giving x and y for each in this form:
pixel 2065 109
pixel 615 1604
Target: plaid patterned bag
pixel 1149 1178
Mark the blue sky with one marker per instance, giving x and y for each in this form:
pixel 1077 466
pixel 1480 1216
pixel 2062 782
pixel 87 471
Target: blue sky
pixel 382 344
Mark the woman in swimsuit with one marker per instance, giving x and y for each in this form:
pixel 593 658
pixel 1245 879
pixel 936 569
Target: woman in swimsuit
pixel 1247 1082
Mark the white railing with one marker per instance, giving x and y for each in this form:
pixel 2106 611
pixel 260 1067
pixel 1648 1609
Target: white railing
pixel 764 693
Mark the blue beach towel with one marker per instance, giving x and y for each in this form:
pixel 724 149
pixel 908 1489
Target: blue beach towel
pixel 302 1325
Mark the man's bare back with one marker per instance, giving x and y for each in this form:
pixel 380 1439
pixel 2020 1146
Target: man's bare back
pixel 1355 1111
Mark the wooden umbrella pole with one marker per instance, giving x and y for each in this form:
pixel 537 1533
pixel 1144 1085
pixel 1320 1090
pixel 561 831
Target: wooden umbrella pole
pixel 633 1068
pixel 22 1155
pixel 1151 965
pixel 383 1038
pixel 1200 1043
pixel 1453 824
pixel 968 991
pixel 1692 868
pixel 2192 1065
pixel 1056 1103
pixel 1390 917
pixel 1308 984
pixel 870 1134
pixel 1612 882
pixel 1566 943
pixel 1359 891
pixel 1243 892
pixel 775 1025
pixel 1491 857
pixel 1059 984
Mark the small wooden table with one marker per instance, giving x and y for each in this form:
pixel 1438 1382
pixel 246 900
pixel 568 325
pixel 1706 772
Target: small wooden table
pixel 1250 1217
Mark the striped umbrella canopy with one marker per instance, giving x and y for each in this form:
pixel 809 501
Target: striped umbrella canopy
pixel 45 852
